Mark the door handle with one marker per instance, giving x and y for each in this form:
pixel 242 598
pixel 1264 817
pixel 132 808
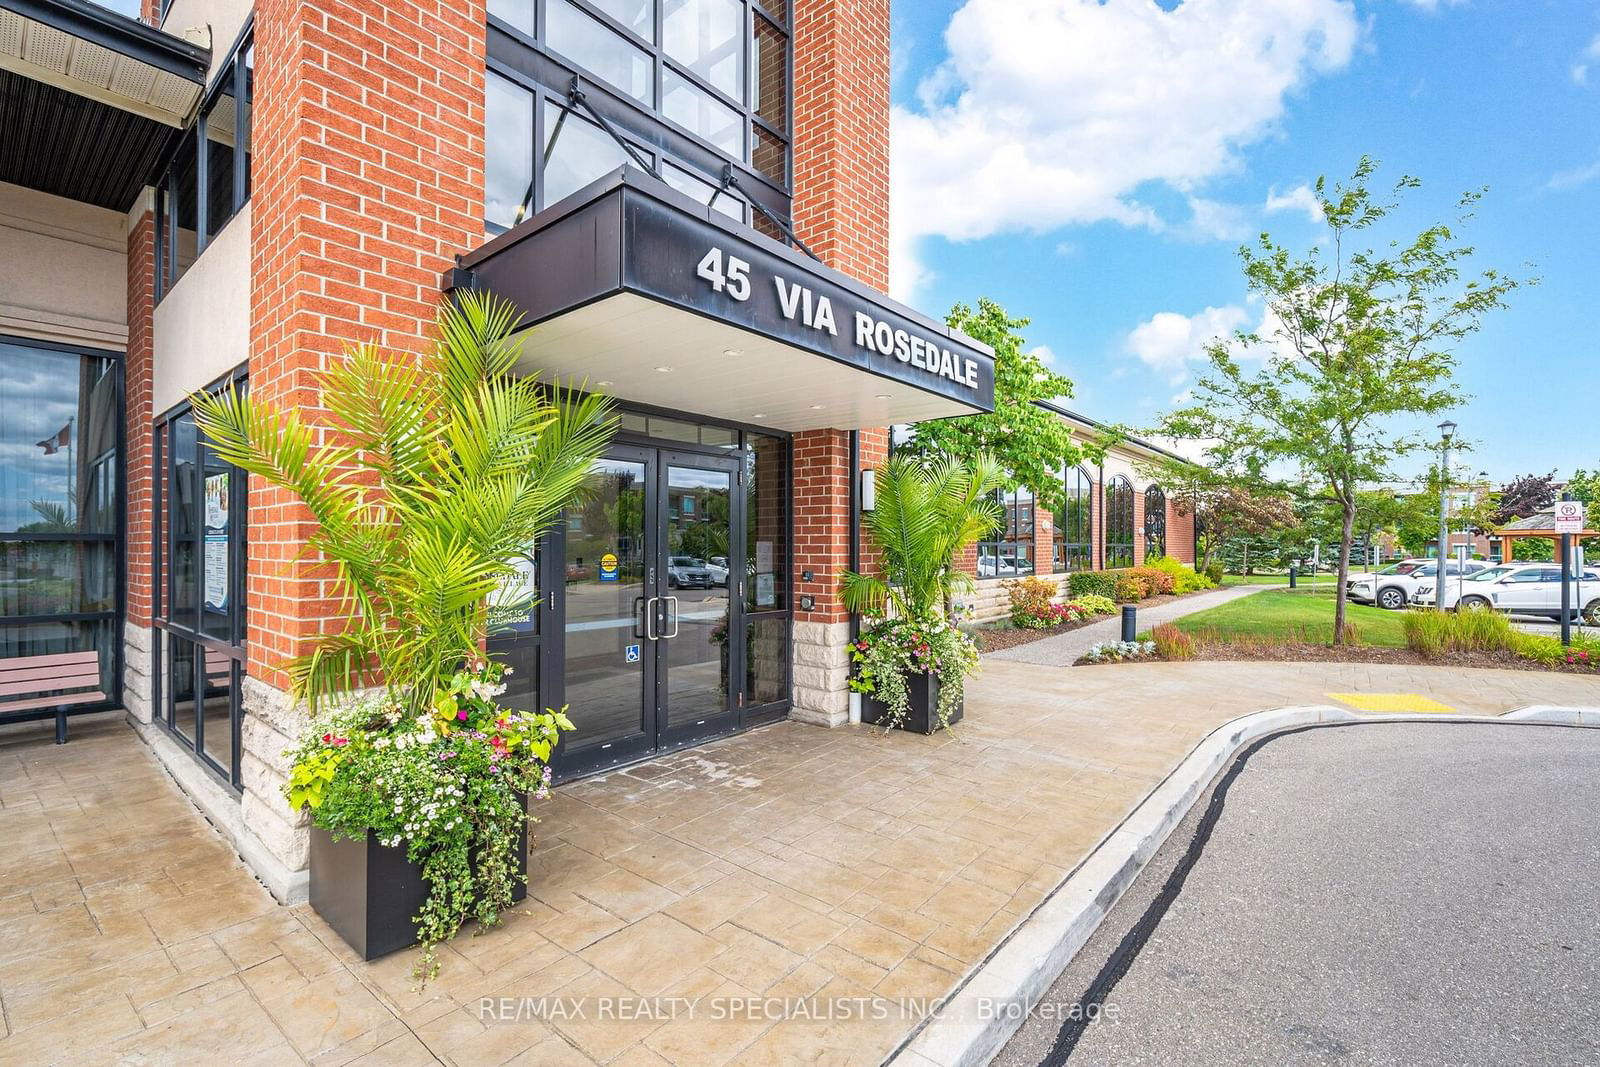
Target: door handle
pixel 638 621
pixel 650 618
pixel 674 633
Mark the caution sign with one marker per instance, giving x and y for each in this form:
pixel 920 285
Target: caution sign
pixel 608 567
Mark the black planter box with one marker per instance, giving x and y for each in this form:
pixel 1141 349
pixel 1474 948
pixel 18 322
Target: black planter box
pixel 369 892
pixel 924 716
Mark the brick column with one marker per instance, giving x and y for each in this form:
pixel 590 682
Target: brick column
pixel 841 210
pixel 367 179
pixel 139 493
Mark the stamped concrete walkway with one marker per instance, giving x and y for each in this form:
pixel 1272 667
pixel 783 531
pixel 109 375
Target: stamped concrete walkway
pixel 1063 650
pixel 791 885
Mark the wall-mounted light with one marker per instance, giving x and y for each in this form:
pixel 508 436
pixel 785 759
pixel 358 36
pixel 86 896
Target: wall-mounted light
pixel 869 489
pixel 808 603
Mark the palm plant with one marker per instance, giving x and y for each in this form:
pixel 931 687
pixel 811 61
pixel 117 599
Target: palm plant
pixel 441 473
pixel 926 513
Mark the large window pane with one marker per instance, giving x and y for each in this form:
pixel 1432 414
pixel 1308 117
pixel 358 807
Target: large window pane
pixel 58 442
pixel 58 638
pixel 180 677
pixel 766 659
pixel 699 112
pixel 599 50
pixel 727 203
pixel 766 522
pixel 222 134
pixel 182 206
pixel 184 515
pixel 771 156
pixel 576 153
pixel 219 499
pixel 637 15
pixel 508 136
pixel 706 36
pixel 517 12
pixel 218 708
pixel 769 74
pixel 245 111
pixel 57 578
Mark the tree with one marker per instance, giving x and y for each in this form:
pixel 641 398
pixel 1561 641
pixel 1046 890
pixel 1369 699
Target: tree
pixel 442 472
pixel 1356 347
pixel 1032 444
pixel 1523 497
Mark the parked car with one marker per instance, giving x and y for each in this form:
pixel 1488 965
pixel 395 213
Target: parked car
pixel 717 566
pixel 1393 588
pixel 1517 589
pixel 1001 567
pixel 687 572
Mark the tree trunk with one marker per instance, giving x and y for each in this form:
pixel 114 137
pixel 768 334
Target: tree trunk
pixel 1246 567
pixel 1345 536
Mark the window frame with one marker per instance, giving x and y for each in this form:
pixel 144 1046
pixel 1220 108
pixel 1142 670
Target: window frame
pixel 235 648
pixel 528 60
pixel 1079 488
pixel 1118 549
pixel 1155 521
pixel 1012 537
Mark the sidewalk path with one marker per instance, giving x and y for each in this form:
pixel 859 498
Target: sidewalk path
pixel 1064 649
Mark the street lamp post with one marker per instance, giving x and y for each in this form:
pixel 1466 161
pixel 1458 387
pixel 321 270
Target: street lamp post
pixel 1447 430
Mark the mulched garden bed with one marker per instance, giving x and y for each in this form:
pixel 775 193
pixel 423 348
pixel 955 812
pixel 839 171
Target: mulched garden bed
pixel 994 637
pixel 1305 653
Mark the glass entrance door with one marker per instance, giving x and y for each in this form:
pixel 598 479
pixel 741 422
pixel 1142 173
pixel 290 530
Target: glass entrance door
pixel 650 554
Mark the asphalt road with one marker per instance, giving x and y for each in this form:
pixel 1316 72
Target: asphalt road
pixel 1393 893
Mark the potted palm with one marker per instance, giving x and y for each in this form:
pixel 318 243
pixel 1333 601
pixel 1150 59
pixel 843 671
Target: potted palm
pixel 911 662
pixel 439 473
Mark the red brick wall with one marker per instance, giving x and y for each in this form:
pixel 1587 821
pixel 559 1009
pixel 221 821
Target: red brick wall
pixel 367 179
pixel 1180 533
pixel 841 211
pixel 138 379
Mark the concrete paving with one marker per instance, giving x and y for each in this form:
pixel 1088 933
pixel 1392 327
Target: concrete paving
pixel 1382 893
pixel 812 869
pixel 1063 650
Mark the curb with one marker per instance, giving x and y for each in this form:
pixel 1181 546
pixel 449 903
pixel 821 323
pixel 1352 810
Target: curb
pixel 993 1002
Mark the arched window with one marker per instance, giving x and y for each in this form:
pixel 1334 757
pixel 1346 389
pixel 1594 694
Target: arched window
pixel 1155 522
pixel 1074 537
pixel 1119 522
pixel 1010 554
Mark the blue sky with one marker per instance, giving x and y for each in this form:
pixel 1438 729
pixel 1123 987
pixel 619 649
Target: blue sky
pixel 1095 166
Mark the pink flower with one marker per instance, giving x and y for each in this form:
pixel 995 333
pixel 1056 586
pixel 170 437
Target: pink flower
pixel 327 738
pixel 462 715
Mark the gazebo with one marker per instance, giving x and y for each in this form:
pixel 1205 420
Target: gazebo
pixel 1541 525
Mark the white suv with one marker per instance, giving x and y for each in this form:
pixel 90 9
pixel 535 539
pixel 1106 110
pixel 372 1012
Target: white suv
pixel 1394 587
pixel 1518 589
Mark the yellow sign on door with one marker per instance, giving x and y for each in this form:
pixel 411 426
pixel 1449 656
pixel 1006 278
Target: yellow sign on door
pixel 608 567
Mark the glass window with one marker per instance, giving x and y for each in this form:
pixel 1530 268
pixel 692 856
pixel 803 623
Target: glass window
pixel 700 113
pixel 1010 554
pixel 599 50
pixel 769 74
pixel 576 152
pixel 518 13
pixel 766 522
pixel 221 135
pixel 637 15
pixel 766 660
pixel 1155 522
pixel 182 235
pixel 59 433
pixel 1119 523
pixel 771 156
pixel 1074 527
pixel 728 203
pixel 705 36
pixel 57 578
pixel 508 141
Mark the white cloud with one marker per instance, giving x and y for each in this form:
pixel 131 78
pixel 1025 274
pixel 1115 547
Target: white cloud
pixel 1053 112
pixel 1045 354
pixel 1434 5
pixel 1170 344
pixel 1301 198
pixel 1214 220
pixel 1580 69
pixel 1565 180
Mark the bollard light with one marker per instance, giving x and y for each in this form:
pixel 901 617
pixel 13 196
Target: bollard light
pixel 1130 622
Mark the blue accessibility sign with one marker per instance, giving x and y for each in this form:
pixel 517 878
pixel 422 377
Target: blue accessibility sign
pixel 631 653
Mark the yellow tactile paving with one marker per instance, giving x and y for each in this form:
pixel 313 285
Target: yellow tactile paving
pixel 1392 702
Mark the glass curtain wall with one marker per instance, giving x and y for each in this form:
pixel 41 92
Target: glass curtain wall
pixel 1119 522
pixel 60 519
pixel 692 85
pixel 1011 554
pixel 1073 544
pixel 201 552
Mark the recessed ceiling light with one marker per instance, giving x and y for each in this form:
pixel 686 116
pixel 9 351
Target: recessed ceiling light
pixel 881 396
pixel 733 351
pixel 604 385
pixel 758 416
pixel 664 370
pixel 817 407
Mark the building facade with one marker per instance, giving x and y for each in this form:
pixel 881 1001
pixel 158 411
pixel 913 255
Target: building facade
pixel 686 200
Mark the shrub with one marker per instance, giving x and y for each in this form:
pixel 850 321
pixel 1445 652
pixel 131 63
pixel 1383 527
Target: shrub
pixel 1030 602
pixel 1119 651
pixel 1172 643
pixel 1129 588
pixel 1157 582
pixel 1068 612
pixel 1433 633
pixel 1214 572
pixel 1184 577
pixel 1096 605
pixel 1584 653
pixel 1082 584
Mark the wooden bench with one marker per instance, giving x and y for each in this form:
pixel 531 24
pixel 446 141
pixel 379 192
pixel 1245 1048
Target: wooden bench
pixel 65 670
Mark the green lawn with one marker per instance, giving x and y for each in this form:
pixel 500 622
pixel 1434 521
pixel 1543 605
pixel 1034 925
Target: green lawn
pixel 1276 579
pixel 1299 615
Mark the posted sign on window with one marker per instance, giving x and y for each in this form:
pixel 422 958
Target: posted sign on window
pixel 1569 516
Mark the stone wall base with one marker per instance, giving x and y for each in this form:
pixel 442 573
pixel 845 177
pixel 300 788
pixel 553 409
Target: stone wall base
pixel 821 673
pixel 990 601
pixel 138 691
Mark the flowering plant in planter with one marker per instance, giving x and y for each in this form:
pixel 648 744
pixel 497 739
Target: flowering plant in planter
pixel 429 479
pixel 888 652
pixel 926 514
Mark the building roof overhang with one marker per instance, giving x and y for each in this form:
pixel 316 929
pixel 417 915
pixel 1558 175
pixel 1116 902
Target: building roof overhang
pixel 90 100
pixel 633 289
